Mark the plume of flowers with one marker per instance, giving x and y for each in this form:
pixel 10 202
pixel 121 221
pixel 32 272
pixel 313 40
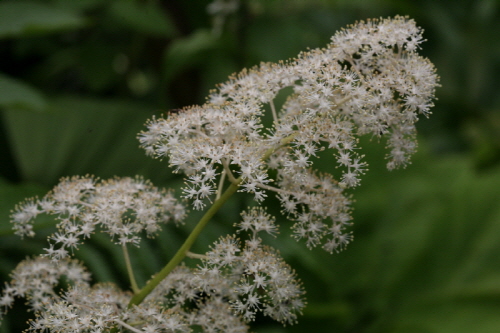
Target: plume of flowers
pixel 121 207
pixel 368 80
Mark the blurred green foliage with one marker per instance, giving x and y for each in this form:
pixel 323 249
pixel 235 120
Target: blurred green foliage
pixel 78 79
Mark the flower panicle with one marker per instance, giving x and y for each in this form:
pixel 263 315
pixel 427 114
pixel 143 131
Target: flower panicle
pixel 120 207
pixel 370 80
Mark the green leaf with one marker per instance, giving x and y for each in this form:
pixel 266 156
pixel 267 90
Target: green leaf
pixel 145 17
pixel 28 18
pixel 426 253
pixel 187 51
pixel 17 94
pixel 78 136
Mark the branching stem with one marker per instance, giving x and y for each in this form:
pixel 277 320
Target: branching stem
pixel 184 249
pixel 273 110
pixel 127 326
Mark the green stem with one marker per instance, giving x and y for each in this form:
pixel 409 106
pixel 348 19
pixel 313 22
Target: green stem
pixel 283 143
pixel 183 250
pixel 133 283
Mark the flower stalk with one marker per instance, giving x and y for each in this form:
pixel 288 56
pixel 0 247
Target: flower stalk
pixel 184 249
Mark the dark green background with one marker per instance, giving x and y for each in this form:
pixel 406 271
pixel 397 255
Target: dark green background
pixel 78 80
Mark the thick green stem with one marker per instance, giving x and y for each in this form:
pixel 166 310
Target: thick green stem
pixel 183 250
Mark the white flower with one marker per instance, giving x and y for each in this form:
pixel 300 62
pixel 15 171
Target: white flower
pixel 368 80
pixel 122 207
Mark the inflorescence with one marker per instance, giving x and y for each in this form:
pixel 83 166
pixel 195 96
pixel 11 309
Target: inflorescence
pixel 369 80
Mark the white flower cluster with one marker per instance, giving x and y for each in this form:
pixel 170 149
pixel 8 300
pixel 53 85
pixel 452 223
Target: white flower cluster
pixel 224 293
pixel 122 207
pixel 82 308
pixel 35 279
pixel 247 279
pixel 231 285
pixel 368 80
pixel 256 276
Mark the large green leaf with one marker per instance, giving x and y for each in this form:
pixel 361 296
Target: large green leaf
pixel 79 135
pixel 17 94
pixel 426 254
pixel 186 51
pixel 27 18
